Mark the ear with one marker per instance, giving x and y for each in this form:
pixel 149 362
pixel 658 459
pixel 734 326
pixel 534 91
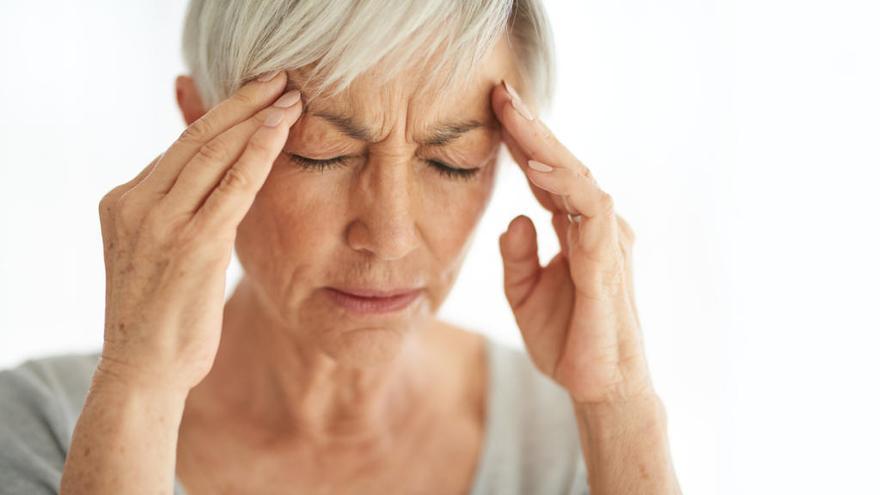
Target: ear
pixel 188 99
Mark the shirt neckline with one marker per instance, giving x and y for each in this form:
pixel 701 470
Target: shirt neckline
pixel 489 407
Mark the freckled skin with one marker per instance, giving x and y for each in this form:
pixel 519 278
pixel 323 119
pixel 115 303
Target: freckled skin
pixel 385 217
pixel 352 400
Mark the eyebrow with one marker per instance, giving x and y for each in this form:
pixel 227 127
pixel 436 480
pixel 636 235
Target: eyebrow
pixel 440 135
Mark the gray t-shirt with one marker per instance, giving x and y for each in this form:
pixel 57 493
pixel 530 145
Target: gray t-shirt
pixel 531 443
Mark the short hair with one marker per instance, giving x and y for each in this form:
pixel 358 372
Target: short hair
pixel 226 43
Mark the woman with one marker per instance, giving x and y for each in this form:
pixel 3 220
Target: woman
pixel 349 178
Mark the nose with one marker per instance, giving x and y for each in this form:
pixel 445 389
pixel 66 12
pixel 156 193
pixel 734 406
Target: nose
pixel 386 209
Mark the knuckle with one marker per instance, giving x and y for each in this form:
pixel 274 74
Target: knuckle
pixel 234 180
pixel 198 132
pixel 605 282
pixel 611 282
pixel 127 209
pixel 214 151
pixel 627 230
pixel 243 98
pixel 606 202
pixel 587 174
pixel 260 145
pixel 105 205
pixel 106 220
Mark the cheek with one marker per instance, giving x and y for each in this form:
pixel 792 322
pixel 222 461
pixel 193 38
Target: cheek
pixel 300 214
pixel 296 219
pixel 286 231
pixel 452 210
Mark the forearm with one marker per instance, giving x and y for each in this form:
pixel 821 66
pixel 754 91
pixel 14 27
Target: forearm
pixel 125 440
pixel 626 448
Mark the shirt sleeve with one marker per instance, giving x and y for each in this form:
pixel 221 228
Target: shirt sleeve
pixel 33 434
pixel 579 485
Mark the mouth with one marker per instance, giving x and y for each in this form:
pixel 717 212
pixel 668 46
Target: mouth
pixel 372 301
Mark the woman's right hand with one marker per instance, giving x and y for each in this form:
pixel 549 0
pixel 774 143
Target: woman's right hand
pixel 169 235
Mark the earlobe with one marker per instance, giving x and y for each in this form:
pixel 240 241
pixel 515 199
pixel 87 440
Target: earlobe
pixel 188 99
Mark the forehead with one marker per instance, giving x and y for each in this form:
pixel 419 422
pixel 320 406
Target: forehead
pixel 407 104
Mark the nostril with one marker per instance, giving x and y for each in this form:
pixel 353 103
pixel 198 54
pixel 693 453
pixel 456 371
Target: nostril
pixel 385 238
pixel 384 209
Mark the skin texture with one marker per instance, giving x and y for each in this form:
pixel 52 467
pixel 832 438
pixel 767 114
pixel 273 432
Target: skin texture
pixel 287 376
pixel 347 387
pixel 577 314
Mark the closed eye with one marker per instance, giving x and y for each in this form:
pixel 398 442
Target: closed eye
pixel 442 168
pixel 317 164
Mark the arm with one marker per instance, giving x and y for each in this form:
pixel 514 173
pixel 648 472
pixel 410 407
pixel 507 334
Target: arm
pixel 577 314
pixel 125 439
pixel 168 238
pixel 626 448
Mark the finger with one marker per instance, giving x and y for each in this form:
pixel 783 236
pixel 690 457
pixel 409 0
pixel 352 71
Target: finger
pixel 582 194
pixel 544 198
pixel 533 137
pixel 549 201
pixel 627 238
pixel 146 170
pixel 242 105
pixel 519 254
pixel 228 203
pixel 107 212
pixel 532 140
pixel 108 202
pixel 561 224
pixel 537 143
pixel 202 174
pixel 626 230
pixel 134 182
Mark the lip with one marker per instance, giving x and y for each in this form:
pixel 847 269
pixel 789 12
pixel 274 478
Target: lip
pixel 372 301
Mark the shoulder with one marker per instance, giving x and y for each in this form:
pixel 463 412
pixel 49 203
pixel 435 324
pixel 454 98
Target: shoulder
pixel 40 400
pixel 49 385
pixel 534 403
pixel 534 434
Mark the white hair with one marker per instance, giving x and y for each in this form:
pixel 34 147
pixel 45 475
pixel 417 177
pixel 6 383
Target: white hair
pixel 229 42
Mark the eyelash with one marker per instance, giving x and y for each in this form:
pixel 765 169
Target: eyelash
pixel 331 163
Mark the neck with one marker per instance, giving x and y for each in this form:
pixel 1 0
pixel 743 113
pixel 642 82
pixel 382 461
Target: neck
pixel 271 377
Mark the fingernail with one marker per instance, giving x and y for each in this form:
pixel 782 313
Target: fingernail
pixel 517 102
pixel 287 99
pixel 273 117
pixel 268 76
pixel 540 167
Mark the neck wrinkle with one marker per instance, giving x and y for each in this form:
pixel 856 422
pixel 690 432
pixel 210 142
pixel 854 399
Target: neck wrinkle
pixel 266 377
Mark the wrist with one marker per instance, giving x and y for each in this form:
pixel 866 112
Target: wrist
pixel 128 408
pixel 635 415
pixel 148 378
pixel 125 437
pixel 128 382
pixel 625 446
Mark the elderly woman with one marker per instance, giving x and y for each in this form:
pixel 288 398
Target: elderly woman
pixel 346 151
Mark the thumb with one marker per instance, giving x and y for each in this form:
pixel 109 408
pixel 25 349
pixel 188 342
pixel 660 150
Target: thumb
pixel 519 253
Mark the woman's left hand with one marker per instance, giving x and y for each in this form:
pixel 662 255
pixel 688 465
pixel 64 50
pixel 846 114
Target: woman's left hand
pixel 577 314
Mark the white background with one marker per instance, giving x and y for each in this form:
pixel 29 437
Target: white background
pixel 741 139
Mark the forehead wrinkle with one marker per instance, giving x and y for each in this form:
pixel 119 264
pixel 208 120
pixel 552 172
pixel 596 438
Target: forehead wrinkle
pixel 439 134
pixel 348 126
